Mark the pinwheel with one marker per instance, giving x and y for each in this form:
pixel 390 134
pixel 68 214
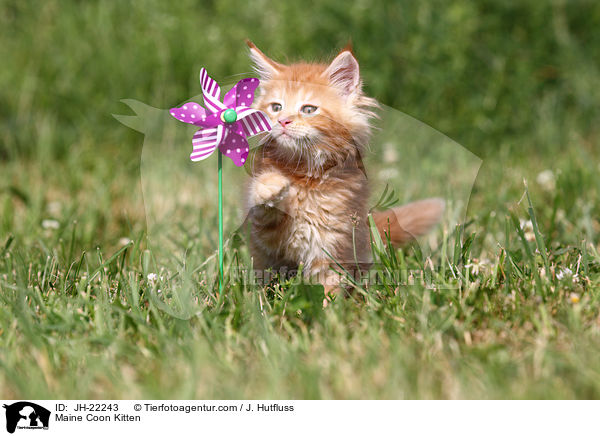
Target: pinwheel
pixel 224 125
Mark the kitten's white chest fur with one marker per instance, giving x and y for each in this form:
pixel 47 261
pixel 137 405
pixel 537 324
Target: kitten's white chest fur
pixel 309 221
pixel 310 236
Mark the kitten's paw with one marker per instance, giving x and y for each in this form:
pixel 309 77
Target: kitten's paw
pixel 270 188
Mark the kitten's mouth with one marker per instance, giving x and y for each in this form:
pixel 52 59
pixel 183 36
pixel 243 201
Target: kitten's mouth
pixel 290 138
pixel 284 136
pixel 284 133
pixel 286 141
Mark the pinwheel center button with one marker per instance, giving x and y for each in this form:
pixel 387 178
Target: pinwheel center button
pixel 229 116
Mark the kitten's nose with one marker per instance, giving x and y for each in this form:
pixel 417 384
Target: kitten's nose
pixel 285 121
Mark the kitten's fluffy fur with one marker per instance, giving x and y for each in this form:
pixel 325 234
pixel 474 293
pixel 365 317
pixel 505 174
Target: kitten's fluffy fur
pixel 307 199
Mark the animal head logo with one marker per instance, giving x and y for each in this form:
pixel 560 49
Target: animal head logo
pixel 26 415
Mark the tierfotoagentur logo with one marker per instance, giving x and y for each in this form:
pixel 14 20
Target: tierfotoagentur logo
pixel 26 415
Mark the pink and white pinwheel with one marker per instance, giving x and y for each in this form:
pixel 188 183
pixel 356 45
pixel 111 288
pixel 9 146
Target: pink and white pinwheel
pixel 226 124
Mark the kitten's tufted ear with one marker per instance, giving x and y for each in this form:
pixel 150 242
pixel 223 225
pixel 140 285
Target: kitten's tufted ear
pixel 343 72
pixel 266 68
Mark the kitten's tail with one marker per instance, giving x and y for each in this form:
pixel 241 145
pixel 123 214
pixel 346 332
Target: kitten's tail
pixel 405 223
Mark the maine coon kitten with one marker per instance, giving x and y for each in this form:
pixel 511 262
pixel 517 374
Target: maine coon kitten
pixel 307 200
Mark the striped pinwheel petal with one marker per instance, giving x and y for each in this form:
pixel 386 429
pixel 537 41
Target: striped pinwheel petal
pixel 211 92
pixel 205 142
pixel 253 121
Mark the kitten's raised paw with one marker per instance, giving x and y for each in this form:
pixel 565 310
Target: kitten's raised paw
pixel 270 188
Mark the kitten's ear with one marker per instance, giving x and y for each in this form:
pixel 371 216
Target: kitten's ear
pixel 266 68
pixel 343 72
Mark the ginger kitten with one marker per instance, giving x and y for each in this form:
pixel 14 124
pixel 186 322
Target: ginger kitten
pixel 307 200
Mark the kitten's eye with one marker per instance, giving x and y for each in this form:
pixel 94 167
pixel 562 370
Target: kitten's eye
pixel 275 107
pixel 308 109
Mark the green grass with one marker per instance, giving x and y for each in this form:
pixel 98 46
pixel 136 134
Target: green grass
pixel 501 317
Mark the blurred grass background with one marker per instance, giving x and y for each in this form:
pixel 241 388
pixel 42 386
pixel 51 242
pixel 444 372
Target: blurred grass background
pixel 515 82
pixel 485 73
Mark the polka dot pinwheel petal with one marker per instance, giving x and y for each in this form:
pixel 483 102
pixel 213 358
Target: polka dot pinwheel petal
pixel 242 93
pixel 236 128
pixel 236 148
pixel 191 113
